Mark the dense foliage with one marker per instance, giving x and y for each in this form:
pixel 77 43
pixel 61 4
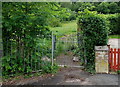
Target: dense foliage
pixel 27 36
pixel 94 31
pixel 24 24
pixel 114 24
pixel 106 8
pixel 101 7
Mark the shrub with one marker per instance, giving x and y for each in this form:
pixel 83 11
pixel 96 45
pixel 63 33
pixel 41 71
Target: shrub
pixel 47 68
pixel 72 16
pixel 103 8
pixel 94 33
pixel 54 22
pixel 114 23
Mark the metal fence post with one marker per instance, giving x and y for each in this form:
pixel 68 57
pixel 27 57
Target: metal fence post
pixel 85 59
pixel 52 47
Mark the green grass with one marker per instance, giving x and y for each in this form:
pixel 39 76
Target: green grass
pixel 114 36
pixel 66 28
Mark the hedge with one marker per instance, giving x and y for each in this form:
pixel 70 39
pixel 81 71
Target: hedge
pixel 94 32
pixel 114 23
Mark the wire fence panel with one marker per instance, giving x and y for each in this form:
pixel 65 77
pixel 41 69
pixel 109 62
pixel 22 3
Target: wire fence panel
pixel 66 51
pixel 20 57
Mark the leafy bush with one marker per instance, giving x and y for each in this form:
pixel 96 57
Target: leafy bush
pixel 72 16
pixel 113 7
pixel 94 33
pixel 108 7
pixel 114 23
pixel 47 68
pixel 23 24
pixel 103 8
pixel 12 66
pixel 54 22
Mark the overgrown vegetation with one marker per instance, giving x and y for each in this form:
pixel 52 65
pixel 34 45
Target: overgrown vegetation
pixel 95 33
pixel 66 28
pixel 114 24
pixel 26 36
pixel 27 30
pixel 27 24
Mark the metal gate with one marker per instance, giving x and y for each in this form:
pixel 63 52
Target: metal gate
pixel 65 50
pixel 49 49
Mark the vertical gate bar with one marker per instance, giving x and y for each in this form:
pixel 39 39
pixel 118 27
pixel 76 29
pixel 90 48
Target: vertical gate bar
pixel 118 59
pixel 111 58
pixel 31 60
pixel 66 47
pixel 52 48
pixel 35 59
pixel 11 56
pixel 115 59
pixel 23 59
pixel 16 57
pixel 38 59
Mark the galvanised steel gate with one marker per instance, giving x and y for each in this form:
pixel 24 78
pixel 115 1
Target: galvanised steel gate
pixel 66 50
pixel 49 49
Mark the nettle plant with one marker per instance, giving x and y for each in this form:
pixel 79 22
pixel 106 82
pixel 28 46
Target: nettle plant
pixel 94 32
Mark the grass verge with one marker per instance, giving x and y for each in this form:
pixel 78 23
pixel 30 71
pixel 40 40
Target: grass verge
pixel 114 36
pixel 66 28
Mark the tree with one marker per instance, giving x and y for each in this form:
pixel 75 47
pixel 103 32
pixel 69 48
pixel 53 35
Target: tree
pixel 103 8
pixel 23 23
pixel 113 7
pixel 86 5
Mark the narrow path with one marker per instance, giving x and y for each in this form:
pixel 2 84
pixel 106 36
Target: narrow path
pixel 67 59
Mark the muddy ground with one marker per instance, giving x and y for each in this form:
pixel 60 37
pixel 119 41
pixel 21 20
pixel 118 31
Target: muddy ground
pixel 76 76
pixel 67 59
pixel 69 76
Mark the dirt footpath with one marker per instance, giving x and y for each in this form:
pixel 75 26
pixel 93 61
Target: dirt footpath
pixel 76 76
pixel 67 59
